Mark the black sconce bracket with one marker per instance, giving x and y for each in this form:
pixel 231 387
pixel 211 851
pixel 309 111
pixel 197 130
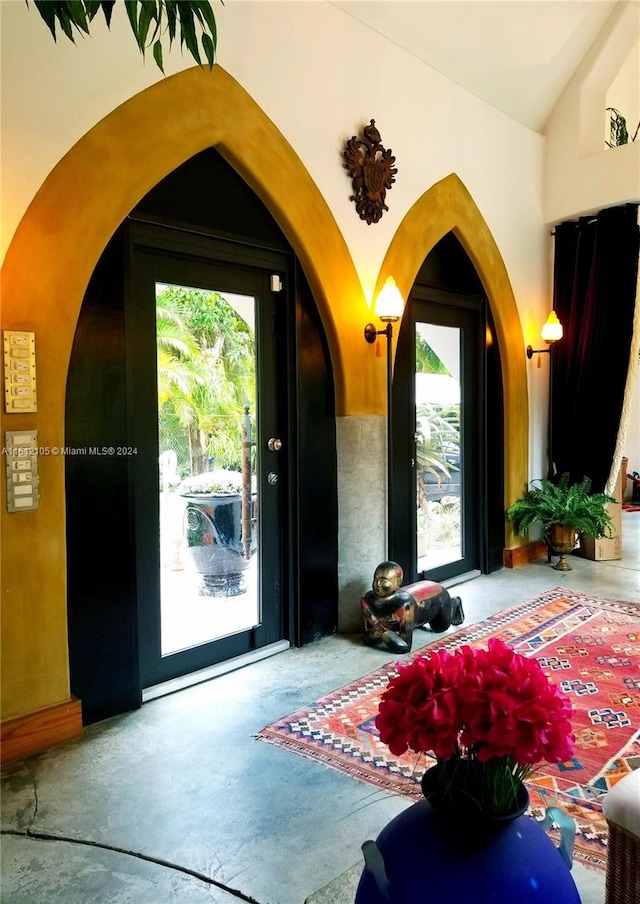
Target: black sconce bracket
pixel 371 333
pixel 535 351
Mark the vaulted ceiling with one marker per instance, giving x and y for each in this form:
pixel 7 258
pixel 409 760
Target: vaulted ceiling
pixel 517 55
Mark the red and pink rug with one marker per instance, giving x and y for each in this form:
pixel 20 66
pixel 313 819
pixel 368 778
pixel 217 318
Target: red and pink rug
pixel 588 645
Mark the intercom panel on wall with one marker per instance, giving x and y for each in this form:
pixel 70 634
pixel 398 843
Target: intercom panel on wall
pixel 21 466
pixel 19 371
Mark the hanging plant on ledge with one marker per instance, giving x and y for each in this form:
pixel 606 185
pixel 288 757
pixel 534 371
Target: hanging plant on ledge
pixel 152 21
pixel 618 132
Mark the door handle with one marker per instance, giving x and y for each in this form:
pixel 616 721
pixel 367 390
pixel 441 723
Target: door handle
pixel 274 445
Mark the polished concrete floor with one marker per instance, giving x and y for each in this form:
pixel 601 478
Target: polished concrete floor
pixel 177 802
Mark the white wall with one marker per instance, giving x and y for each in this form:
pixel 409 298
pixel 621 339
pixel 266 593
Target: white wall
pixel 581 174
pixel 320 76
pixel 624 92
pixel 309 66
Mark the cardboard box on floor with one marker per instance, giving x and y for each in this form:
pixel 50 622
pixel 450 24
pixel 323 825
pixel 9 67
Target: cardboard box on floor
pixel 607 548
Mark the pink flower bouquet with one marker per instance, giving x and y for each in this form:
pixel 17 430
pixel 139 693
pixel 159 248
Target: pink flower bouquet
pixel 488 716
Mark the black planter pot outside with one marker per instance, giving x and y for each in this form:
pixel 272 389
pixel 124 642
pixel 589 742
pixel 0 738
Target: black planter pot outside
pixel 215 545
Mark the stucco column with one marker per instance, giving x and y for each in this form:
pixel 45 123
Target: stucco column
pixel 362 487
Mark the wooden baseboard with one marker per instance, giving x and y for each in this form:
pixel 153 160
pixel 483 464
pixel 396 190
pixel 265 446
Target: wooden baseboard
pixel 521 555
pixel 33 732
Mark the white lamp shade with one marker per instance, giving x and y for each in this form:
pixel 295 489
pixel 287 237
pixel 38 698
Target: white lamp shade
pixel 389 303
pixel 552 330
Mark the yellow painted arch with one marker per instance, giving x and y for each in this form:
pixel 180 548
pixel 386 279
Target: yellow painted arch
pixel 448 207
pixel 47 268
pixel 53 254
pixel 97 183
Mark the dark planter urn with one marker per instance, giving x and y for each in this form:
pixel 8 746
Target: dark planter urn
pixel 215 545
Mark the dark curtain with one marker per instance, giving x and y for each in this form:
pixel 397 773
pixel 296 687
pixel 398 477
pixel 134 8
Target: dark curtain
pixel 595 278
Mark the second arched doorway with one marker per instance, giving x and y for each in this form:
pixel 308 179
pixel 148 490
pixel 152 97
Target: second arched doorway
pixel 448 434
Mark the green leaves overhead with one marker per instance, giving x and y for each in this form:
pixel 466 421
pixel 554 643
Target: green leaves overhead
pixel 72 14
pixel 152 22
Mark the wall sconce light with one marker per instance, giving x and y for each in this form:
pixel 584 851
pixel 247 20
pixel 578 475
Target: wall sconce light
pixel 551 332
pixel 389 306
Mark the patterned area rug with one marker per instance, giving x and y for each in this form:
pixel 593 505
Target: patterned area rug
pixel 588 645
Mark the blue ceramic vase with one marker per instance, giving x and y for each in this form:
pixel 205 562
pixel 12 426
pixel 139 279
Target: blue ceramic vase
pixel 435 855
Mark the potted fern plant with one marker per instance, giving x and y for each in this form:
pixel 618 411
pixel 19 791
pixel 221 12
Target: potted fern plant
pixel 563 510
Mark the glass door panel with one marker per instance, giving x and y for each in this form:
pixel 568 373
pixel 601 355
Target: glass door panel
pixel 205 396
pixel 439 449
pixel 206 353
pixel 438 410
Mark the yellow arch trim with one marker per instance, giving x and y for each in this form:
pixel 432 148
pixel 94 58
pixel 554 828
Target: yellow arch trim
pixel 45 274
pixel 120 159
pixel 448 207
pixel 54 252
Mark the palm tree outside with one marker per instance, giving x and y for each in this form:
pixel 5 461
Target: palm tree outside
pixel 206 377
pixel 206 387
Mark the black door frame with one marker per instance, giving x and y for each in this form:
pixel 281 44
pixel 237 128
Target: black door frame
pixel 162 254
pixel 203 197
pixel 472 314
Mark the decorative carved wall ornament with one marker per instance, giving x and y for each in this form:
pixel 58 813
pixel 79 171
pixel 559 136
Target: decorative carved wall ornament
pixel 372 172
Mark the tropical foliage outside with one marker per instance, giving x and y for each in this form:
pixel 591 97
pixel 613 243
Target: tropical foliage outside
pixel 427 362
pixel 437 427
pixel 437 458
pixel 206 378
